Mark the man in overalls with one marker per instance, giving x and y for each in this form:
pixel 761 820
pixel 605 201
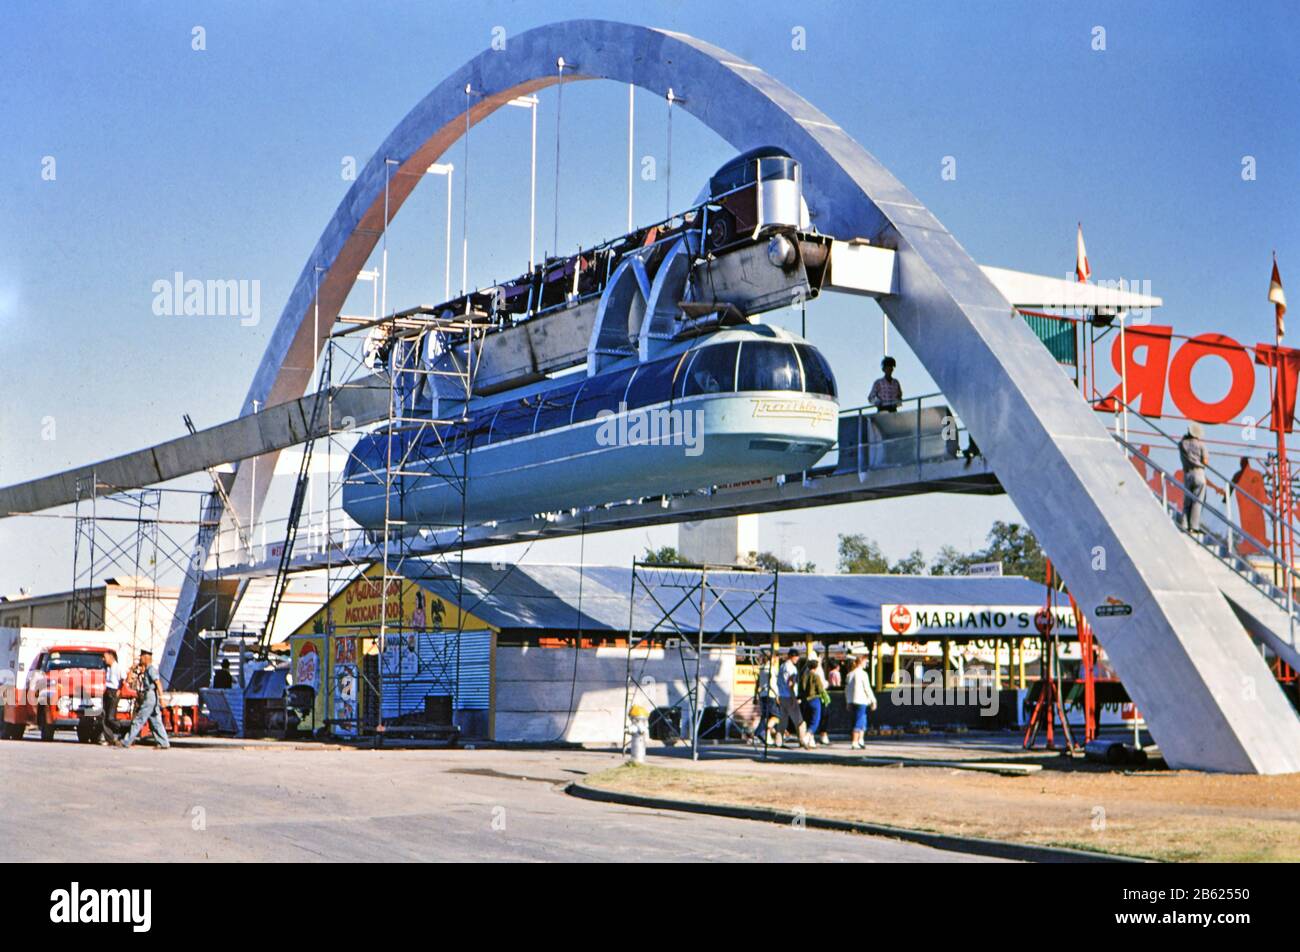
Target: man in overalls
pixel 150 704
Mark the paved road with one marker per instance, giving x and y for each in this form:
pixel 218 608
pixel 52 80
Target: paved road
pixel 66 801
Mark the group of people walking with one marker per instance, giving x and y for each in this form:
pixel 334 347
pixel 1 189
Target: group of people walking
pixel 143 683
pixel 794 698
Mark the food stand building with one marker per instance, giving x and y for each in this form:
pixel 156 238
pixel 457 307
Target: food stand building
pixel 540 653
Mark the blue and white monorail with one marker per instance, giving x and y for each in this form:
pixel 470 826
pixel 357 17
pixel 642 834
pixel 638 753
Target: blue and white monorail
pixel 744 402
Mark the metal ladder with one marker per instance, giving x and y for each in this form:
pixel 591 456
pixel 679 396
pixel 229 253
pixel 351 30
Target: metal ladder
pixel 295 509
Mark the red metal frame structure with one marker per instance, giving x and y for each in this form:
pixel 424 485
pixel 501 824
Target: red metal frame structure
pixel 1050 704
pixel 1284 531
pixel 1088 654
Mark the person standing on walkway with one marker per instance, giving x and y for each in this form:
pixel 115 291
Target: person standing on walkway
pixel 112 688
pixel 149 689
pixel 816 702
pixel 886 393
pixel 223 678
pixel 859 697
pixel 834 681
pixel 788 696
pixel 766 693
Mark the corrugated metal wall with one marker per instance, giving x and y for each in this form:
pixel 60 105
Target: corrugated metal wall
pixel 417 665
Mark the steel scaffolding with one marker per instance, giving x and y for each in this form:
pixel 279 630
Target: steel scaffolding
pixel 123 533
pixel 425 359
pixel 693 609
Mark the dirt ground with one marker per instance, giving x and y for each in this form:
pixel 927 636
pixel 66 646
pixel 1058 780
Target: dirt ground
pixel 1158 814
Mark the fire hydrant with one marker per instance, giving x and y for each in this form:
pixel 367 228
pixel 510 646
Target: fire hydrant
pixel 638 733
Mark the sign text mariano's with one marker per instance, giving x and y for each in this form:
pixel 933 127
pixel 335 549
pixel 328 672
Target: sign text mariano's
pixel 969 620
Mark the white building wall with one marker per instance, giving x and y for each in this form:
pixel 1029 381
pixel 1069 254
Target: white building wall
pixel 540 696
pixel 728 541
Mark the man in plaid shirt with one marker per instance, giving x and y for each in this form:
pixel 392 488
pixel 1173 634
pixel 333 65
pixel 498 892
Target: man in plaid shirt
pixel 886 392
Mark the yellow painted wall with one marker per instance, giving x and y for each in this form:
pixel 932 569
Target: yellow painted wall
pixel 357 608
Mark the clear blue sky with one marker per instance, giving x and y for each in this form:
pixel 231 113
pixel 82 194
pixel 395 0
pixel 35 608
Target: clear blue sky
pixel 225 163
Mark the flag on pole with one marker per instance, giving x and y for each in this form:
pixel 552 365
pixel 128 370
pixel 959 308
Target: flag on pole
pixel 1081 269
pixel 1277 296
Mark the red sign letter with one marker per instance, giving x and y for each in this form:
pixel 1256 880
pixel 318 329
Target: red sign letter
pixel 1146 380
pixel 1286 361
pixel 1180 378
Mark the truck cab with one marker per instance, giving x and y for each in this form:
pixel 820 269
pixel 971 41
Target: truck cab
pixel 64 690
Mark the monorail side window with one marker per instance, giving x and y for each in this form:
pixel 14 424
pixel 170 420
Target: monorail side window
pixel 653 383
pixel 713 370
pixel 438 441
pixel 477 429
pixel 768 365
pixel 557 407
pixel 602 392
pixel 817 376
pixel 366 457
pixel 514 419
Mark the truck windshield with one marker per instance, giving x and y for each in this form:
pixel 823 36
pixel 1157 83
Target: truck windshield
pixel 63 660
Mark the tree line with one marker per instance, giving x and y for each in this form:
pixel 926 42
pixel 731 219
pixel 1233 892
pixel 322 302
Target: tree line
pixel 1008 542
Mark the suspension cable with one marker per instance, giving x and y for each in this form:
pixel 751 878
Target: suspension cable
pixel 388 164
pixel 631 90
pixel 668 172
pixel 464 202
pixel 530 103
pixel 532 195
pixel 577 638
pixel 559 109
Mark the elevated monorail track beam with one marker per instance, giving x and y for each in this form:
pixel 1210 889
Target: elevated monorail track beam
pixel 973 477
pixel 268 431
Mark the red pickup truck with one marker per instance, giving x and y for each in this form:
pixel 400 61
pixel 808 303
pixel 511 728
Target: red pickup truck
pixel 64 689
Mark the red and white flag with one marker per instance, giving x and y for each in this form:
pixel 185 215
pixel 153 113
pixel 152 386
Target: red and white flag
pixel 1277 296
pixel 1081 269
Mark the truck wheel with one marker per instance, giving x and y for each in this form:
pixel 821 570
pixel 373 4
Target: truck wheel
pixel 11 731
pixel 46 728
pixel 85 731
